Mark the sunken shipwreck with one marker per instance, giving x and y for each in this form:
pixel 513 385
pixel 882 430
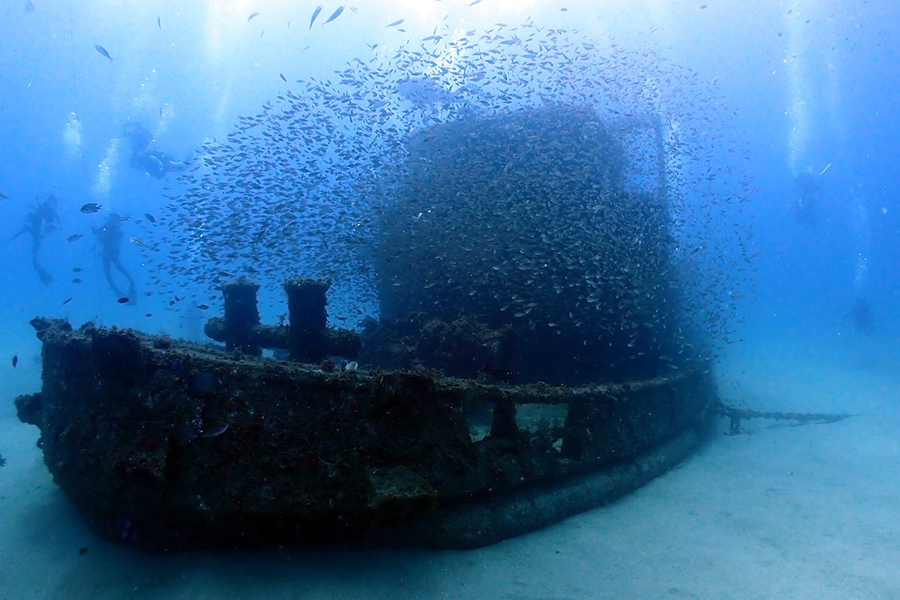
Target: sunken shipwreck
pixel 534 348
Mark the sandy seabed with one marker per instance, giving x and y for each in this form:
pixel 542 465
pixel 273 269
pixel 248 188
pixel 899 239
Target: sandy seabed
pixel 781 511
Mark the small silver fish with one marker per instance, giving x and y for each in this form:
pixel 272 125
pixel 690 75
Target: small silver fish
pixel 395 23
pixel 102 51
pixel 314 15
pixel 334 15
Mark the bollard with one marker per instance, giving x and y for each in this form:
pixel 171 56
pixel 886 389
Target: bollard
pixel 308 337
pixel 241 315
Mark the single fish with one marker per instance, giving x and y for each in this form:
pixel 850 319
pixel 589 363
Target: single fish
pixel 150 218
pixel 15 361
pixel 283 78
pixel 158 22
pixel 334 15
pixel 102 51
pixel 203 306
pixel 75 237
pixel 250 18
pixel 123 300
pixel 3 196
pixel 77 281
pixel 69 299
pixel 139 242
pixel 314 15
pixel 395 23
pixel 214 429
pixel 29 6
pixel 91 207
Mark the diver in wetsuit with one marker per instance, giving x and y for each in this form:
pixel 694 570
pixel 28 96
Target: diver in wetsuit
pixel 155 163
pixel 808 188
pixel 41 220
pixel 109 236
pixel 861 316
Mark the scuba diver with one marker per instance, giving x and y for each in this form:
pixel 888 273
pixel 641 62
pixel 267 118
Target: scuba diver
pixel 41 220
pixel 861 316
pixel 808 187
pixel 155 163
pixel 109 236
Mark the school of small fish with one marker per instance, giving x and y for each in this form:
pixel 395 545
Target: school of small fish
pixel 474 168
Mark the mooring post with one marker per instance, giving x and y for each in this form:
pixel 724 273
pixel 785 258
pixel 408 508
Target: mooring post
pixel 241 315
pixel 308 335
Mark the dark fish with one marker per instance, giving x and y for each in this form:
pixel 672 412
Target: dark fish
pixel 395 23
pixel 158 22
pixel 77 280
pixel 123 300
pixel 334 15
pixel 15 361
pixel 29 6
pixel 91 207
pixel 75 237
pixel 282 77
pixel 69 299
pixel 150 218
pixel 3 196
pixel 215 429
pixel 76 269
pixel 314 15
pixel 102 51
pixel 250 18
pixel 148 315
pixel 203 306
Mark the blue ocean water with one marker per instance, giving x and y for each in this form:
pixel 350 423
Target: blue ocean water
pixel 789 105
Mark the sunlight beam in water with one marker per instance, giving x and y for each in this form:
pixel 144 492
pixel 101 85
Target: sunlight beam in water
pixel 798 87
